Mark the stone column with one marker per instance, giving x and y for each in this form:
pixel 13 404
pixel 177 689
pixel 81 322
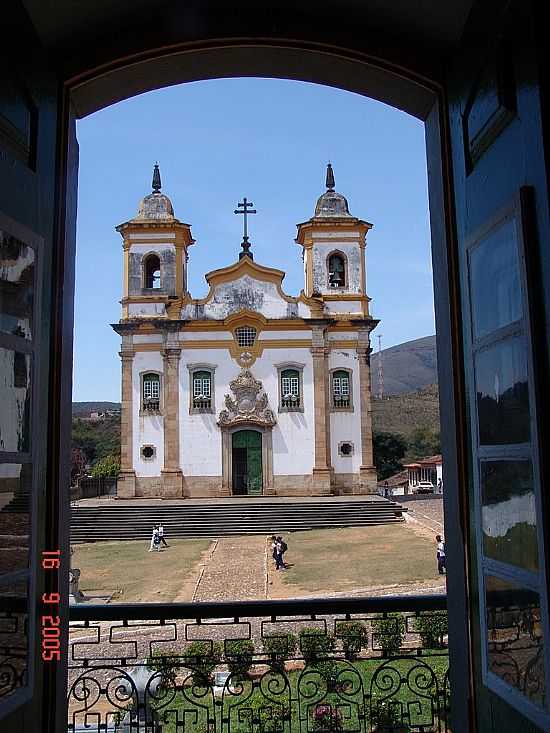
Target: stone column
pixel 322 471
pixel 172 477
pixel 126 484
pixel 367 471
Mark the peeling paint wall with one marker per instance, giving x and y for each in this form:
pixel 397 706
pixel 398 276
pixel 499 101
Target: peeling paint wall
pixel 243 293
pixel 353 254
pixel 15 400
pixel 167 257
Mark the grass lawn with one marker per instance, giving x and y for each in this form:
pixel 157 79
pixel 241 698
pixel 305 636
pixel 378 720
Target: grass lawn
pixel 139 575
pixel 358 557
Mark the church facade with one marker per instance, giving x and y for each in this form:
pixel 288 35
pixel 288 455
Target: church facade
pixel 248 391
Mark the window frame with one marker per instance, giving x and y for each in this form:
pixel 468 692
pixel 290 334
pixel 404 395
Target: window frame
pixel 338 253
pixel 296 367
pixel 142 410
pixel 243 327
pixel 144 261
pixel 333 406
pixel 211 370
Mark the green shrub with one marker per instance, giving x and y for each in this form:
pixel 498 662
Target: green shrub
pixel 271 717
pixel 166 665
pixel 354 637
pixel 202 657
pixel 389 632
pixel 328 670
pixel 315 644
pixel 108 467
pixel 432 629
pixel 279 648
pixel 239 654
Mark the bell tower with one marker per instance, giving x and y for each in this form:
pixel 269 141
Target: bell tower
pixel 334 244
pixel 155 255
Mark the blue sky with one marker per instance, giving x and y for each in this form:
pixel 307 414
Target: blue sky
pixel 217 141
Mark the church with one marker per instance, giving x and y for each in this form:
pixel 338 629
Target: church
pixel 247 391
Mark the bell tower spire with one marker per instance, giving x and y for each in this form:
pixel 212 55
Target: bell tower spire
pixel 329 182
pixel 156 185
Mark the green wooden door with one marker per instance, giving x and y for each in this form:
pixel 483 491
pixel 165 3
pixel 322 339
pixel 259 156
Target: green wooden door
pixel 247 462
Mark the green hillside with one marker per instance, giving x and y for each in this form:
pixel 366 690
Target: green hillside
pixel 405 413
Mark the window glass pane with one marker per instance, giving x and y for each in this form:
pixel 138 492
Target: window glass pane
pixel 495 281
pixel 15 382
pixel 17 262
pixel 15 524
pixel 14 652
pixel 508 513
pixel 515 637
pixel 502 393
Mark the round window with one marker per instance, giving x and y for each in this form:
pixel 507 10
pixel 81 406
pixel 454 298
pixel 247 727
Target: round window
pixel 148 451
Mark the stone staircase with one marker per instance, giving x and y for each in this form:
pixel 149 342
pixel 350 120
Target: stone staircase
pixel 212 519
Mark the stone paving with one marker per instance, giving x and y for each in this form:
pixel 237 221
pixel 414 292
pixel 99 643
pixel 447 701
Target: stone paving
pixel 236 570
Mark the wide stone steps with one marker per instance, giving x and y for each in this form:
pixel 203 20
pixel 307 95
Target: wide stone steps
pixel 93 524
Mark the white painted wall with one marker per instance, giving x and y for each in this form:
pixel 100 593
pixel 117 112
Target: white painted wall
pixel 346 426
pixel 146 309
pixel 321 250
pixel 344 306
pixel 200 437
pixel 146 429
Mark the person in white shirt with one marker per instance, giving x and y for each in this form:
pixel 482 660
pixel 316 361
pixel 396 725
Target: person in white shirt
pixel 160 530
pixel 155 539
pixel 441 556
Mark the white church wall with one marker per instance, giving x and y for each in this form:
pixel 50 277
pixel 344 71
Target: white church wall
pixel 293 435
pixel 200 437
pixel 353 253
pixel 344 306
pixel 346 426
pixel 288 335
pixel 146 429
pixel 206 336
pixel 146 309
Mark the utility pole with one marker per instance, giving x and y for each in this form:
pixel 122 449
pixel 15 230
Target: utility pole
pixel 380 369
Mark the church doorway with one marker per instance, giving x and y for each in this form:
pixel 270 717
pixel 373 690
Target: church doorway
pixel 247 462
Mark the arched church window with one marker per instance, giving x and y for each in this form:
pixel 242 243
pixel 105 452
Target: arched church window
pixel 150 392
pixel 336 271
pixel 202 390
pixel 151 272
pixel 290 389
pixel 245 335
pixel 341 389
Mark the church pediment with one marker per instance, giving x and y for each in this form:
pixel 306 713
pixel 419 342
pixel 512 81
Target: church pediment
pixel 244 285
pixel 248 406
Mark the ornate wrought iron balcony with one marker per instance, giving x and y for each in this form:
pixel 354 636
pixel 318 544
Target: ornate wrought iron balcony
pixel 354 665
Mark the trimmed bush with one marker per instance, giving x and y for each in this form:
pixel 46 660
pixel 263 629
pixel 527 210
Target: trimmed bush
pixel 354 637
pixel 279 648
pixel 389 632
pixel 166 665
pixel 315 644
pixel 239 654
pixel 432 629
pixel 202 657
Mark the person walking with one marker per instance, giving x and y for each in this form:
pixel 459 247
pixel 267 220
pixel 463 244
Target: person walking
pixel 161 535
pixel 274 550
pixel 441 555
pixel 155 539
pixel 282 547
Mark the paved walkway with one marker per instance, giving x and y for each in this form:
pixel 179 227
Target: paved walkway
pixel 145 502
pixel 236 570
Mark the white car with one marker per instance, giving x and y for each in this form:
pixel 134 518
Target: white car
pixel 424 487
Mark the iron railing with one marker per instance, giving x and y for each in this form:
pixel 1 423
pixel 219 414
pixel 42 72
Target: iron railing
pixel 354 665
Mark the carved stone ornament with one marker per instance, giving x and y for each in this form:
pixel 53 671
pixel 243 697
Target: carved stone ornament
pixel 247 407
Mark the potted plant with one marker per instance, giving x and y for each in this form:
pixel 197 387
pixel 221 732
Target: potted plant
pixel 202 657
pixel 279 648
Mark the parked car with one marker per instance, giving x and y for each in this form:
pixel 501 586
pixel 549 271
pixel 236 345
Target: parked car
pixel 424 487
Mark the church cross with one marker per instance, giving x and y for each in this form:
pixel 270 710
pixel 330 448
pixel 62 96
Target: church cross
pixel 245 208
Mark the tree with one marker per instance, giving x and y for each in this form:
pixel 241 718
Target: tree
pixel 389 449
pixel 423 442
pixel 108 467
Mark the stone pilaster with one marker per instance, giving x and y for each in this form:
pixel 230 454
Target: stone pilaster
pixel 322 471
pixel 367 471
pixel 172 477
pixel 126 484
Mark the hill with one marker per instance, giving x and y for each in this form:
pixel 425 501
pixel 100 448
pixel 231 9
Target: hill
pixel 83 409
pixel 407 367
pixel 407 412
